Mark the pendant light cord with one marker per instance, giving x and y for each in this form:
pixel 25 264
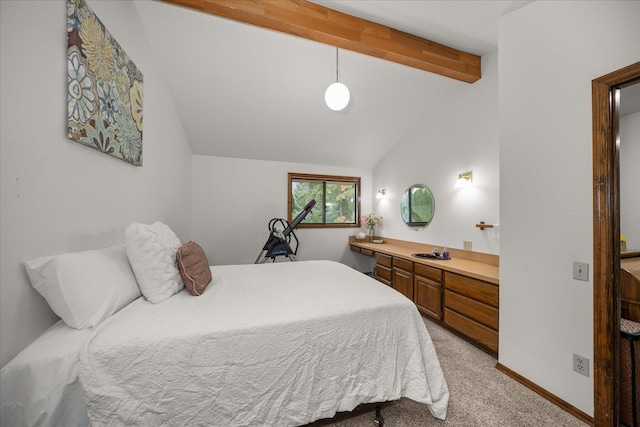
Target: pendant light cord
pixel 337 94
pixel 337 65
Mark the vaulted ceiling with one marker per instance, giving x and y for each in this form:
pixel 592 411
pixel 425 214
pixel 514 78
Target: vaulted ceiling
pixel 249 92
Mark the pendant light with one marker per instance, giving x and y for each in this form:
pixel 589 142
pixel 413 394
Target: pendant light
pixel 337 94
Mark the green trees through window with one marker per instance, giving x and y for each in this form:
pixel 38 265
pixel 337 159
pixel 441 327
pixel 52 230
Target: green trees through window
pixel 337 199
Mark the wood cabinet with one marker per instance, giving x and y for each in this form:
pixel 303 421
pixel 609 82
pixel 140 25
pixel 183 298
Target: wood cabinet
pixel 383 268
pixel 402 277
pixel 461 293
pixel 427 290
pixel 471 308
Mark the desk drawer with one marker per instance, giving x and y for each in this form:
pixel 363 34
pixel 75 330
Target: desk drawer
pixel 403 264
pixel 478 290
pixel 428 272
pixel 367 252
pixel 481 313
pixel 383 259
pixel 482 335
pixel 383 272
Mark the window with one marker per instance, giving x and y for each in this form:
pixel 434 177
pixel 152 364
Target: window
pixel 337 200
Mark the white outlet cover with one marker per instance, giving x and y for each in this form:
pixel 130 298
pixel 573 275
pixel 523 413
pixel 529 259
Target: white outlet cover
pixel 581 365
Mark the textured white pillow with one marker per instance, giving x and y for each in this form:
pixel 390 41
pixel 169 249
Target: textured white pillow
pixel 84 288
pixel 152 254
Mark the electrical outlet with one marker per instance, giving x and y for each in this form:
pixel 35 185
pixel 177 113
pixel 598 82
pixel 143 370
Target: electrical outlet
pixel 581 271
pixel 581 365
pixel 467 245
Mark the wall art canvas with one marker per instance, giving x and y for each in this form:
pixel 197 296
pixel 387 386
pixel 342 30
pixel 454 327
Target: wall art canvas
pixel 104 88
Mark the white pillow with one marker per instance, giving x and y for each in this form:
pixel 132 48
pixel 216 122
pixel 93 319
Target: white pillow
pixel 84 288
pixel 152 253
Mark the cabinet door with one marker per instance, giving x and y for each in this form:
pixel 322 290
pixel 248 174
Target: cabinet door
pixel 403 282
pixel 428 297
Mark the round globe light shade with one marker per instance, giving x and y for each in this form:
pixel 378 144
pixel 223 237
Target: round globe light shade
pixel 337 96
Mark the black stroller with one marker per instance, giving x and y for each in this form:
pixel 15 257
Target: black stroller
pixel 280 235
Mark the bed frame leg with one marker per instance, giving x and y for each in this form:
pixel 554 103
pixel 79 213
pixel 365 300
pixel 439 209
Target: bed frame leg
pixel 378 421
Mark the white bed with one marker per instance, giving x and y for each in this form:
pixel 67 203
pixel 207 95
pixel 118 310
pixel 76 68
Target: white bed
pixel 268 344
pixel 40 386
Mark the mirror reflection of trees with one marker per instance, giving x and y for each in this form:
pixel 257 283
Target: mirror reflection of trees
pixel 417 206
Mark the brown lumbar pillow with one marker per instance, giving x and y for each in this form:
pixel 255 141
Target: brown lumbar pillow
pixel 193 267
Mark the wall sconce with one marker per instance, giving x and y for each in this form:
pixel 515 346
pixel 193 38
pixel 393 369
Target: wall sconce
pixel 381 193
pixel 465 179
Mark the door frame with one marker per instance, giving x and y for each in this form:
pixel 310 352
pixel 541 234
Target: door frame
pixel 606 242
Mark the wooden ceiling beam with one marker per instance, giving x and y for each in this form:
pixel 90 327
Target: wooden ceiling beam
pixel 315 22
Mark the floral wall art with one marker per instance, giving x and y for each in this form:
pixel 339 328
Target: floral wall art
pixel 104 88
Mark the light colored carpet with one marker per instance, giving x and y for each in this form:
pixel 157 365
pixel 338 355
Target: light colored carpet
pixel 480 395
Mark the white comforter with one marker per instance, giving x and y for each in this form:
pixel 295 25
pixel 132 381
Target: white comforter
pixel 39 387
pixel 268 344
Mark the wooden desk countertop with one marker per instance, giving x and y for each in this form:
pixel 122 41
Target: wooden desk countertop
pixel 631 266
pixel 472 264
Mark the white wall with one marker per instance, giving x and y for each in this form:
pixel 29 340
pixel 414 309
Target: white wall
pixel 630 179
pixel 457 134
pixel 234 200
pixel 57 195
pixel 549 54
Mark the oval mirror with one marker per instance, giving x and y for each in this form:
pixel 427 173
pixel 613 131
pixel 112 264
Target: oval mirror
pixel 417 206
